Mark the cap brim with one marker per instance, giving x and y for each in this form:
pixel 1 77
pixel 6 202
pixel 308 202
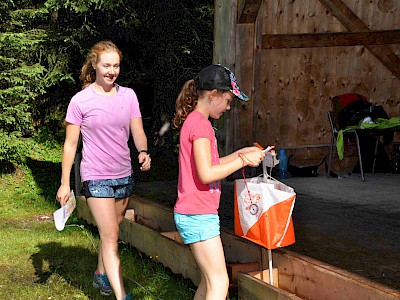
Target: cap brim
pixel 239 94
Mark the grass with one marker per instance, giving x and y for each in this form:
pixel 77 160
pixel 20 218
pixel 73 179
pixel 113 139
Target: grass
pixel 39 262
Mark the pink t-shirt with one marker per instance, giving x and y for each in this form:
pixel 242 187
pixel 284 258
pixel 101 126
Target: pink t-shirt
pixel 104 122
pixel 195 197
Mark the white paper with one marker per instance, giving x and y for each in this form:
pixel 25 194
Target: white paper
pixel 62 214
pixel 267 149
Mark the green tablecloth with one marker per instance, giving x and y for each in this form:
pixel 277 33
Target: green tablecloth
pixel 378 124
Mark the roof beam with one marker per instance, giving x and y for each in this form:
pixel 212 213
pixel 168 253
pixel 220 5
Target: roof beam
pixel 330 39
pixel 350 20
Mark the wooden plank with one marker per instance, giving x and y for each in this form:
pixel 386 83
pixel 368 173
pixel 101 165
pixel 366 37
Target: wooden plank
pixel 83 210
pixel 243 111
pixel 224 37
pixel 255 289
pixel 224 53
pixel 350 20
pixel 312 279
pixel 257 94
pixel 173 235
pixel 235 268
pixel 303 146
pixel 249 11
pixel 330 39
pixel 234 250
pixel 153 215
pixel 174 255
pixel 345 15
pixel 161 218
pixel 130 215
pixel 264 276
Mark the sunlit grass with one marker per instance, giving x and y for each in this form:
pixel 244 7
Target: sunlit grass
pixel 39 262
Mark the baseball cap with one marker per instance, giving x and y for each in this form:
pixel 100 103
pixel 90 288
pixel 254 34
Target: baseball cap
pixel 219 78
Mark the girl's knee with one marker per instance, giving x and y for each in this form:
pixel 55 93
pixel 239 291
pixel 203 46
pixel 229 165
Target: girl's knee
pixel 225 281
pixel 220 281
pixel 110 237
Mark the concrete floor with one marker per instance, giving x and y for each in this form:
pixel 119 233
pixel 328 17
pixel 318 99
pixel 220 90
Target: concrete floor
pixel 344 222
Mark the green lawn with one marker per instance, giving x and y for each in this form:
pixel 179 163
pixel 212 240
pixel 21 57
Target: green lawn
pixel 39 262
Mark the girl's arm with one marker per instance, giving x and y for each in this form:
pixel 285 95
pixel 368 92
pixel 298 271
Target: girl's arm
pixel 70 145
pixel 233 155
pixel 209 173
pixel 140 141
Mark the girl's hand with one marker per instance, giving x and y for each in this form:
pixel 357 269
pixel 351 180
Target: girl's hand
pixel 252 158
pixel 145 161
pixel 249 149
pixel 63 194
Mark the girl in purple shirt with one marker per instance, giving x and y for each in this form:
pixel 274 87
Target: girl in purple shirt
pixel 105 114
pixel 200 170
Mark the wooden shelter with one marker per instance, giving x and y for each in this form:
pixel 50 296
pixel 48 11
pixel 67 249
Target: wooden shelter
pixel 292 57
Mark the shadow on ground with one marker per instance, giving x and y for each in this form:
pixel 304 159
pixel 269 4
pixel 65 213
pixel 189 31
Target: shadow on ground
pixel 54 259
pixel 47 176
pixel 6 167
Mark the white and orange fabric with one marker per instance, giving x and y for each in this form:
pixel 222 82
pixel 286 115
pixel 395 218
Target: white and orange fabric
pixel 263 212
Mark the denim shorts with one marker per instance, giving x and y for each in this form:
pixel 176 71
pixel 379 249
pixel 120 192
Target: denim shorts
pixel 196 228
pixel 108 188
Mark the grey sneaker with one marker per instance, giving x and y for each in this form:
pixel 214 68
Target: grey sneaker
pixel 130 296
pixel 101 282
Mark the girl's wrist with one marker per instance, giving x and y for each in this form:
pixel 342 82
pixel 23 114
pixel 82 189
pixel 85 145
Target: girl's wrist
pixel 141 152
pixel 243 158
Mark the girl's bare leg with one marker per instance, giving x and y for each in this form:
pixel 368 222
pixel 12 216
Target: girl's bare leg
pixel 210 258
pixel 108 214
pixel 201 289
pixel 120 208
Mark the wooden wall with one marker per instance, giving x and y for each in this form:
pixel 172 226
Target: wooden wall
pixel 291 57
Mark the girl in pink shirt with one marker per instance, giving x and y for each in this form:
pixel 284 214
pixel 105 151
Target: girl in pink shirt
pixel 105 114
pixel 200 170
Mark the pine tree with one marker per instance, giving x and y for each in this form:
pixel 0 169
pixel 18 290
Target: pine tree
pixel 28 68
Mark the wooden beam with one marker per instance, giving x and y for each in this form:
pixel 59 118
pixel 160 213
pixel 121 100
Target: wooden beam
pixel 249 11
pixel 251 288
pixel 352 23
pixel 330 39
pixel 345 15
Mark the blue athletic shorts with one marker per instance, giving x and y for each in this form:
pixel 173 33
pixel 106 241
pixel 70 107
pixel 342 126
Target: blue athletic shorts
pixel 108 188
pixel 196 228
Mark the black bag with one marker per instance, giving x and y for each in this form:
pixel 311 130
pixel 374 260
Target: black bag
pixel 304 170
pixel 353 113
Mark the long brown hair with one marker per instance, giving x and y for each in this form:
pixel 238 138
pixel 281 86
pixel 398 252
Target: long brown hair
pixel 185 103
pixel 88 73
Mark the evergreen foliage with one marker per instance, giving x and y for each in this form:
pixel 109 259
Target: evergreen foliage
pixel 31 62
pixel 44 43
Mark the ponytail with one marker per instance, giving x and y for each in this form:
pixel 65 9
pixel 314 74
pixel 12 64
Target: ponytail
pixel 185 103
pixel 88 74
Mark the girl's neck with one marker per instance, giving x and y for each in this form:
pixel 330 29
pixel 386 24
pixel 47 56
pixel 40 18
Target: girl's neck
pixel 203 106
pixel 104 90
pixel 202 110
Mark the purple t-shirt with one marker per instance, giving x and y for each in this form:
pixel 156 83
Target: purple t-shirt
pixel 194 197
pixel 104 122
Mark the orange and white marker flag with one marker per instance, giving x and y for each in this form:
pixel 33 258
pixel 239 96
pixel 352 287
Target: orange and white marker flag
pixel 263 212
